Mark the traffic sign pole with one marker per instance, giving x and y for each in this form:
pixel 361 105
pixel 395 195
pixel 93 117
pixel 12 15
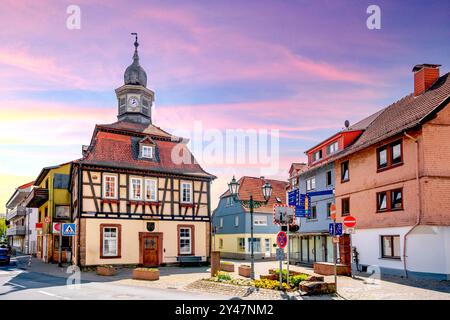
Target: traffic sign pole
pixel 333 216
pixel 288 255
pixel 60 245
pixel 335 257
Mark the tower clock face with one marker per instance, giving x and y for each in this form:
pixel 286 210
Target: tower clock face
pixel 133 101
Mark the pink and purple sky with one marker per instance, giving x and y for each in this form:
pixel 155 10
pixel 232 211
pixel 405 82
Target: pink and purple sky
pixel 302 67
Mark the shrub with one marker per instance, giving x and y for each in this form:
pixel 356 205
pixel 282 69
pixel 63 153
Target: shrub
pixel 147 269
pixel 223 276
pixel 295 280
pixel 226 262
pixel 245 266
pixel 270 284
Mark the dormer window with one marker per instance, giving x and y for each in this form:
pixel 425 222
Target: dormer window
pixel 332 148
pixel 317 156
pixel 147 149
pixel 147 152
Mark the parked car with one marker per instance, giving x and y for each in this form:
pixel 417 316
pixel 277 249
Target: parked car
pixel 5 255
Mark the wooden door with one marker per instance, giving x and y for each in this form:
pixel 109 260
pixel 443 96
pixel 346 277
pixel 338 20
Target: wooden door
pixel 150 251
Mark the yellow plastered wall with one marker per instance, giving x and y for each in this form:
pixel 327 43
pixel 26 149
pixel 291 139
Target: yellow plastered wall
pixel 130 240
pixel 231 242
pixel 55 196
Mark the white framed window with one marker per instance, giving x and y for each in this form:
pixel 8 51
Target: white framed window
pixel 311 183
pixel 256 245
pixel 147 152
pixel 236 221
pixel 317 156
pixel 110 241
pixel 151 193
pixel 332 148
pixel 229 201
pixel 259 220
pixel 186 192
pixel 221 223
pixel 185 241
pixel 109 186
pixel 136 188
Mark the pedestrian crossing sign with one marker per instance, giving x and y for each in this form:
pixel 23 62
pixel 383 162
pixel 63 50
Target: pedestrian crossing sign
pixel 69 229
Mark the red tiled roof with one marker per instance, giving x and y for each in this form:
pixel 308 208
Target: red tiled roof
pixel 113 147
pixel 404 114
pixel 398 117
pixel 26 185
pixel 252 185
pixel 132 127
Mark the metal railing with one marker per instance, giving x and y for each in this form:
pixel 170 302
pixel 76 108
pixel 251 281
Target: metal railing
pixel 16 231
pixel 16 212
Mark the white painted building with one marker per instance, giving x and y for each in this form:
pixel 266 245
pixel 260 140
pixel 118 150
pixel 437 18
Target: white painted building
pixel 427 256
pixel 21 231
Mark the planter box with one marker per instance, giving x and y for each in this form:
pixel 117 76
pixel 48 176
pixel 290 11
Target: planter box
pixel 150 275
pixel 269 277
pixel 106 271
pixel 327 269
pixel 317 288
pixel 228 267
pixel 244 271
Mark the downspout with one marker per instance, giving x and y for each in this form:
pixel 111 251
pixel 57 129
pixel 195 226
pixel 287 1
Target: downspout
pixel 210 223
pixel 79 215
pixel 419 211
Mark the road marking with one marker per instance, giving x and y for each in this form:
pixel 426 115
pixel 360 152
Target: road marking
pixel 17 285
pixel 53 295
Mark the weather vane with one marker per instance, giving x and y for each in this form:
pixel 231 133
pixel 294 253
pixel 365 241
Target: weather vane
pixel 136 44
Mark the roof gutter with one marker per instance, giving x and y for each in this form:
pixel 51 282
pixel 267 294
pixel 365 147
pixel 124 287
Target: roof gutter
pixel 419 211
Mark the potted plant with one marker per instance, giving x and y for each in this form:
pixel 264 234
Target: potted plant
pixel 150 274
pixel 106 270
pixel 244 270
pixel 227 266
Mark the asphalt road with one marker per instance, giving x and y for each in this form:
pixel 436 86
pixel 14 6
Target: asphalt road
pixel 18 284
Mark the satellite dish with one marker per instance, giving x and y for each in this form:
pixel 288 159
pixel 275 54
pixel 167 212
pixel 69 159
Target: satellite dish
pixel 347 123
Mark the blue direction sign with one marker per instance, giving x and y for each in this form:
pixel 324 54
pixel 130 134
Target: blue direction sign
pixel 335 231
pixel 302 203
pixel 69 229
pixel 304 206
pixel 293 197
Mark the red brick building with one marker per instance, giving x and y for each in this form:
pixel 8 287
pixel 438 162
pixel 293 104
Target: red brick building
pixel 397 182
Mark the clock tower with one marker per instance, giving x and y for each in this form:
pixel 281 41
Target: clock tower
pixel 134 99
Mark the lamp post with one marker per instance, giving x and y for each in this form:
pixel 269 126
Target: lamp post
pixel 250 204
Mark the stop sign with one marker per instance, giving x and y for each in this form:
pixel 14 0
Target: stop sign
pixel 349 222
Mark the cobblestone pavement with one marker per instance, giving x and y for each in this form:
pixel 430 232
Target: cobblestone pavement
pixel 187 279
pixel 362 287
pixel 250 293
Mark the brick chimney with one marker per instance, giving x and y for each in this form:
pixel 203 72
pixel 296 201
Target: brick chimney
pixel 424 76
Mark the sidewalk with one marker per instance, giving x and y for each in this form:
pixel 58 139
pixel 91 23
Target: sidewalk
pixel 362 287
pixel 170 277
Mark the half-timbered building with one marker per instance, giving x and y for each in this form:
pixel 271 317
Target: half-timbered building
pixel 138 195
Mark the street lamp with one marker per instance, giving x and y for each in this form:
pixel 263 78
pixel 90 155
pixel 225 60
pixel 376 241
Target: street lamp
pixel 250 204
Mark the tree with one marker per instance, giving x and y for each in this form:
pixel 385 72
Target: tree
pixel 2 228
